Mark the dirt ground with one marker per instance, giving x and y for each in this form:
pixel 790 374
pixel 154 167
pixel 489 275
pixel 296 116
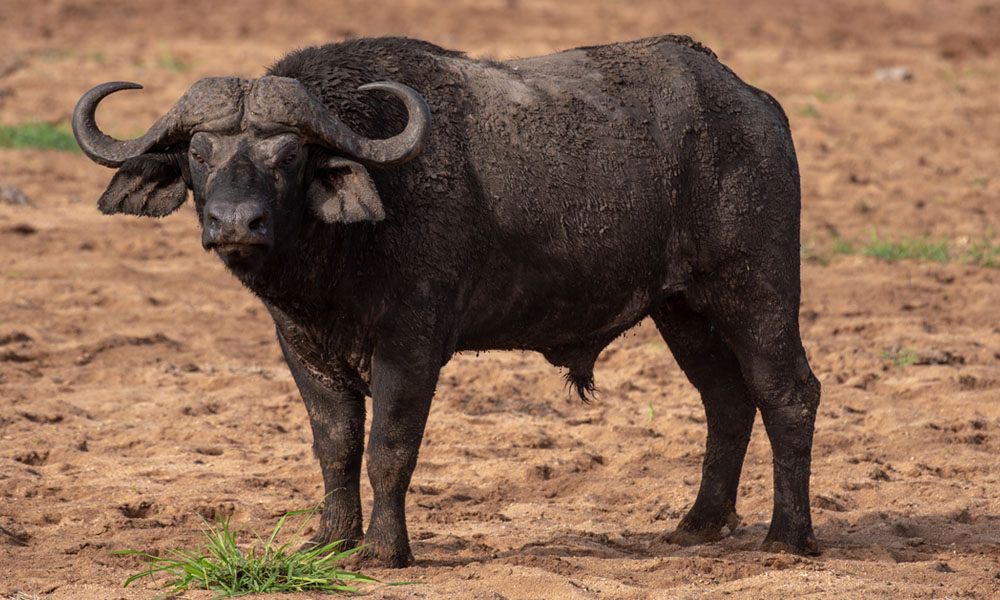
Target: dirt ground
pixel 140 384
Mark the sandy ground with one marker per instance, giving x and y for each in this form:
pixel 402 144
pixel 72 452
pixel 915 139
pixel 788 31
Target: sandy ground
pixel 140 383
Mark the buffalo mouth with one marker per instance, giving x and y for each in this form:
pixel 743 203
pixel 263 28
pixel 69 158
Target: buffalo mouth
pixel 237 252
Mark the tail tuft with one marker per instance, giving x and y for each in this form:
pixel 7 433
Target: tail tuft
pixel 583 383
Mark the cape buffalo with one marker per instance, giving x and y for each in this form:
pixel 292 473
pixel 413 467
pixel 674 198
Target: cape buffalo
pixel 392 203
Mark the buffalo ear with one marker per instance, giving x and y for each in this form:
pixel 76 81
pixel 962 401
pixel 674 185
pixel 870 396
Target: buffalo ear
pixel 148 185
pixel 341 191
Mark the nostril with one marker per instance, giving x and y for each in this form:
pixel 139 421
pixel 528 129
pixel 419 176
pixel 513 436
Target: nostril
pixel 212 217
pixel 257 225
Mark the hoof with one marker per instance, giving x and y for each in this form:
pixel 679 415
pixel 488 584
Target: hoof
pixel 808 547
pixel 370 556
pixel 685 535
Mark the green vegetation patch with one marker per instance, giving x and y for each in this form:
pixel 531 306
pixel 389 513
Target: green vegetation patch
pixel 901 357
pixel 220 565
pixel 919 248
pixel 38 135
pixel 982 252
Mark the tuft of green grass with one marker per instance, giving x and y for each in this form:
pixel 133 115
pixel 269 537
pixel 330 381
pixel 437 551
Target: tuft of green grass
pixel 922 248
pixel 808 111
pixel 900 358
pixel 220 565
pixel 983 252
pixel 37 135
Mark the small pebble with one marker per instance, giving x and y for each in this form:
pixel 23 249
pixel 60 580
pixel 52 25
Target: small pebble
pixel 894 74
pixel 11 195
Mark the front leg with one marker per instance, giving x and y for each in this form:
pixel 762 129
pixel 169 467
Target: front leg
pixel 403 382
pixel 337 416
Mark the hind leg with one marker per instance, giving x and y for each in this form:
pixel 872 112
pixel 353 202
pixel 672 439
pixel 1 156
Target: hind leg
pixel 713 369
pixel 758 319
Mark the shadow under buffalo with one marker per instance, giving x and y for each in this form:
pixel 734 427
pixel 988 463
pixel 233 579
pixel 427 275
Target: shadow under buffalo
pixel 880 536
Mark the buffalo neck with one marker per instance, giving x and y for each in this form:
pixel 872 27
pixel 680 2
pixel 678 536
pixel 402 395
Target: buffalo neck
pixel 320 278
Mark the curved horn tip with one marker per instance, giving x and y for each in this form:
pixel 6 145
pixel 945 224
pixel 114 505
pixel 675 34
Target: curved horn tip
pixel 125 85
pixel 391 86
pixel 407 144
pixel 378 85
pixel 95 144
pixel 111 87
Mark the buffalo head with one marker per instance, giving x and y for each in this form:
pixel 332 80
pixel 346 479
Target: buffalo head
pixel 257 154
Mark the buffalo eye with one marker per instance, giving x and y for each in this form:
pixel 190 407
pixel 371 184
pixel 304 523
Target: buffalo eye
pixel 199 158
pixel 289 159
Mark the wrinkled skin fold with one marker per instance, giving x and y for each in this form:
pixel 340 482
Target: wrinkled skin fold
pixel 549 204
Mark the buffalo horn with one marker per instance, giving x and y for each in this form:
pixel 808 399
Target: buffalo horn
pixel 210 101
pixel 97 145
pixel 408 143
pixel 214 100
pixel 280 101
